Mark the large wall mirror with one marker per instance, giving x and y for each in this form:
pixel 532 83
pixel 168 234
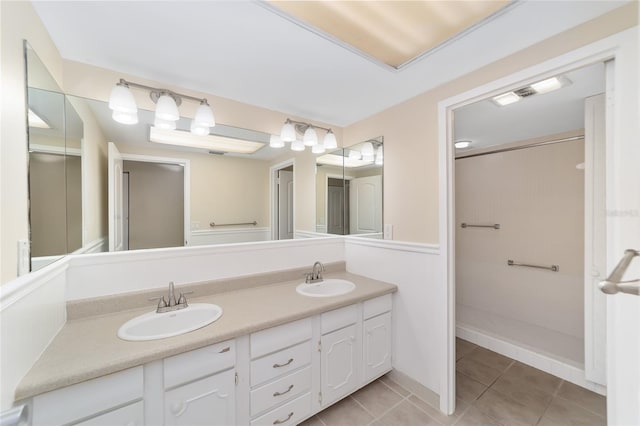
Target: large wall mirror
pixel 349 190
pixel 171 193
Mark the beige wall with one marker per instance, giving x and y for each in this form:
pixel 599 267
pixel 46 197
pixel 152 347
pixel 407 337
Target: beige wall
pixel 410 129
pixel 18 21
pixel 537 196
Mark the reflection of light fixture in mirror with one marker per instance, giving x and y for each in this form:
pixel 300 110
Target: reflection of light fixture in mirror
pixel 354 155
pixel 276 141
pixel 36 121
pixel 340 161
pixel 208 142
pixel 550 84
pixel 310 138
pixel 125 110
pixel 318 148
pixel 297 145
pixel 539 88
pixel 379 156
pixel 367 151
pixel 164 124
pixel 462 144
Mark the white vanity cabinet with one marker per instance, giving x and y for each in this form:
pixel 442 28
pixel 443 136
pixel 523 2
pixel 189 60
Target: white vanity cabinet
pixel 341 349
pixel 200 386
pixel 376 337
pixel 111 400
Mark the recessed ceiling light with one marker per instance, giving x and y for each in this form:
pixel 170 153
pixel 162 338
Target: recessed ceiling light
pixel 462 144
pixel 550 84
pixel 208 142
pixel 506 98
pixel 36 121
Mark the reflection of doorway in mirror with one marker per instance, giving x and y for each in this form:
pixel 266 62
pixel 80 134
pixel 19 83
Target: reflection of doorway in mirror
pixel 285 203
pixel 337 206
pixel 365 205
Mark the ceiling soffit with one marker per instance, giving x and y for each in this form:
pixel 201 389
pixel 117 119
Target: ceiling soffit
pixel 393 34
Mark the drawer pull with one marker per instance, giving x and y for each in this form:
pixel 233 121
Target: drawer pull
pixel 282 393
pixel 279 422
pixel 283 365
pixel 227 349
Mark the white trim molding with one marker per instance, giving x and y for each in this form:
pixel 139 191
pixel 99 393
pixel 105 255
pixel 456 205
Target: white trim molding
pixel 393 245
pixel 229 236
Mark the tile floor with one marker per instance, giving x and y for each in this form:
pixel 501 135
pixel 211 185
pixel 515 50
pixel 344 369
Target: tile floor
pixel 490 389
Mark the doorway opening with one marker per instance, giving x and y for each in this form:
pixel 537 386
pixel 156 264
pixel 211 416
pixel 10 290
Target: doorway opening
pixel 282 200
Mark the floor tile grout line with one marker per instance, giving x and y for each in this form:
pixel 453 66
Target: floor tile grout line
pixel 428 415
pixel 375 419
pixel 398 393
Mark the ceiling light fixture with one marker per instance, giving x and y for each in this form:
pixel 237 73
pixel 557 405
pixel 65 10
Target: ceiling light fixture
pixel 506 98
pixel 125 110
pixel 207 142
pixel 462 144
pixel 550 84
pixel 291 128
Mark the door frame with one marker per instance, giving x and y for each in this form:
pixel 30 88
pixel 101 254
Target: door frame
pixel 187 183
pixel 618 47
pixel 273 195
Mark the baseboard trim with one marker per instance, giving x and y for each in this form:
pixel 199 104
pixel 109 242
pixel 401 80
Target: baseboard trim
pixel 564 370
pixel 422 392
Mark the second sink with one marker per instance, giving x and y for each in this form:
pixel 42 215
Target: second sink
pixel 152 326
pixel 327 288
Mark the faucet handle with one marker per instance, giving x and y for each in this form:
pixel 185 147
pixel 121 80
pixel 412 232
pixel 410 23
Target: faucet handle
pixel 182 299
pixel 162 303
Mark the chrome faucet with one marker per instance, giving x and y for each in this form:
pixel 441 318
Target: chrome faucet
pixel 172 304
pixel 316 273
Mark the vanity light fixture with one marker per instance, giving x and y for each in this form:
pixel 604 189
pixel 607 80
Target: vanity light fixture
pixel 462 144
pixel 291 128
pixel 367 151
pixel 276 141
pixel 125 110
pixel 354 155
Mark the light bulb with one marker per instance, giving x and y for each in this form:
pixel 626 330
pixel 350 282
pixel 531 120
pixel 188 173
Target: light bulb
pixel 310 137
pixel 367 151
pixel 121 99
pixel 197 129
pixel 297 145
pixel 204 116
pixel 288 132
pixel 275 141
pixel 167 108
pixel 330 141
pixel 164 124
pixel 125 117
pixel 317 148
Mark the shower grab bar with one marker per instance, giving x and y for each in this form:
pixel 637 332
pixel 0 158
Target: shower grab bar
pixel 468 225
pixel 212 224
pixel 554 268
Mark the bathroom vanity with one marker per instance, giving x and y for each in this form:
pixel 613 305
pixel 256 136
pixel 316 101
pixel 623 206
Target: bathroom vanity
pixel 275 357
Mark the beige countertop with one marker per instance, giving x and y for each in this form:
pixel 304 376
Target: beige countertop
pixel 89 347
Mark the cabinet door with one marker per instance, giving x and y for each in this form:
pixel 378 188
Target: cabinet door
pixel 209 401
pixel 377 346
pixel 339 370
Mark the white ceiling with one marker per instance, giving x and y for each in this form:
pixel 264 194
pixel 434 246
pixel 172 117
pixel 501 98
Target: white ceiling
pixel 243 51
pixel 487 124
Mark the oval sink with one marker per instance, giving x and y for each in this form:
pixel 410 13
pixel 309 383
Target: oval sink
pixel 326 288
pixel 152 326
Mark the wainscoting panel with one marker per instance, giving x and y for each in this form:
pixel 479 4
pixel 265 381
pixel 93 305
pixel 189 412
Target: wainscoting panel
pixel 229 236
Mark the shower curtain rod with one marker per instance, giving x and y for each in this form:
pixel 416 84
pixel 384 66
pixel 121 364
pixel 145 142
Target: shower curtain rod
pixel 531 145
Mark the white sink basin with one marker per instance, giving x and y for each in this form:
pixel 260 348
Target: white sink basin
pixel 152 326
pixel 326 288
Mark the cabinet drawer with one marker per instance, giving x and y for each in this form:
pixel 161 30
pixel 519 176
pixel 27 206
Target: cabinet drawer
pixel 289 414
pixel 130 415
pixel 281 390
pixel 338 318
pixel 276 338
pixel 199 363
pixel 377 306
pixel 79 401
pixel 279 363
